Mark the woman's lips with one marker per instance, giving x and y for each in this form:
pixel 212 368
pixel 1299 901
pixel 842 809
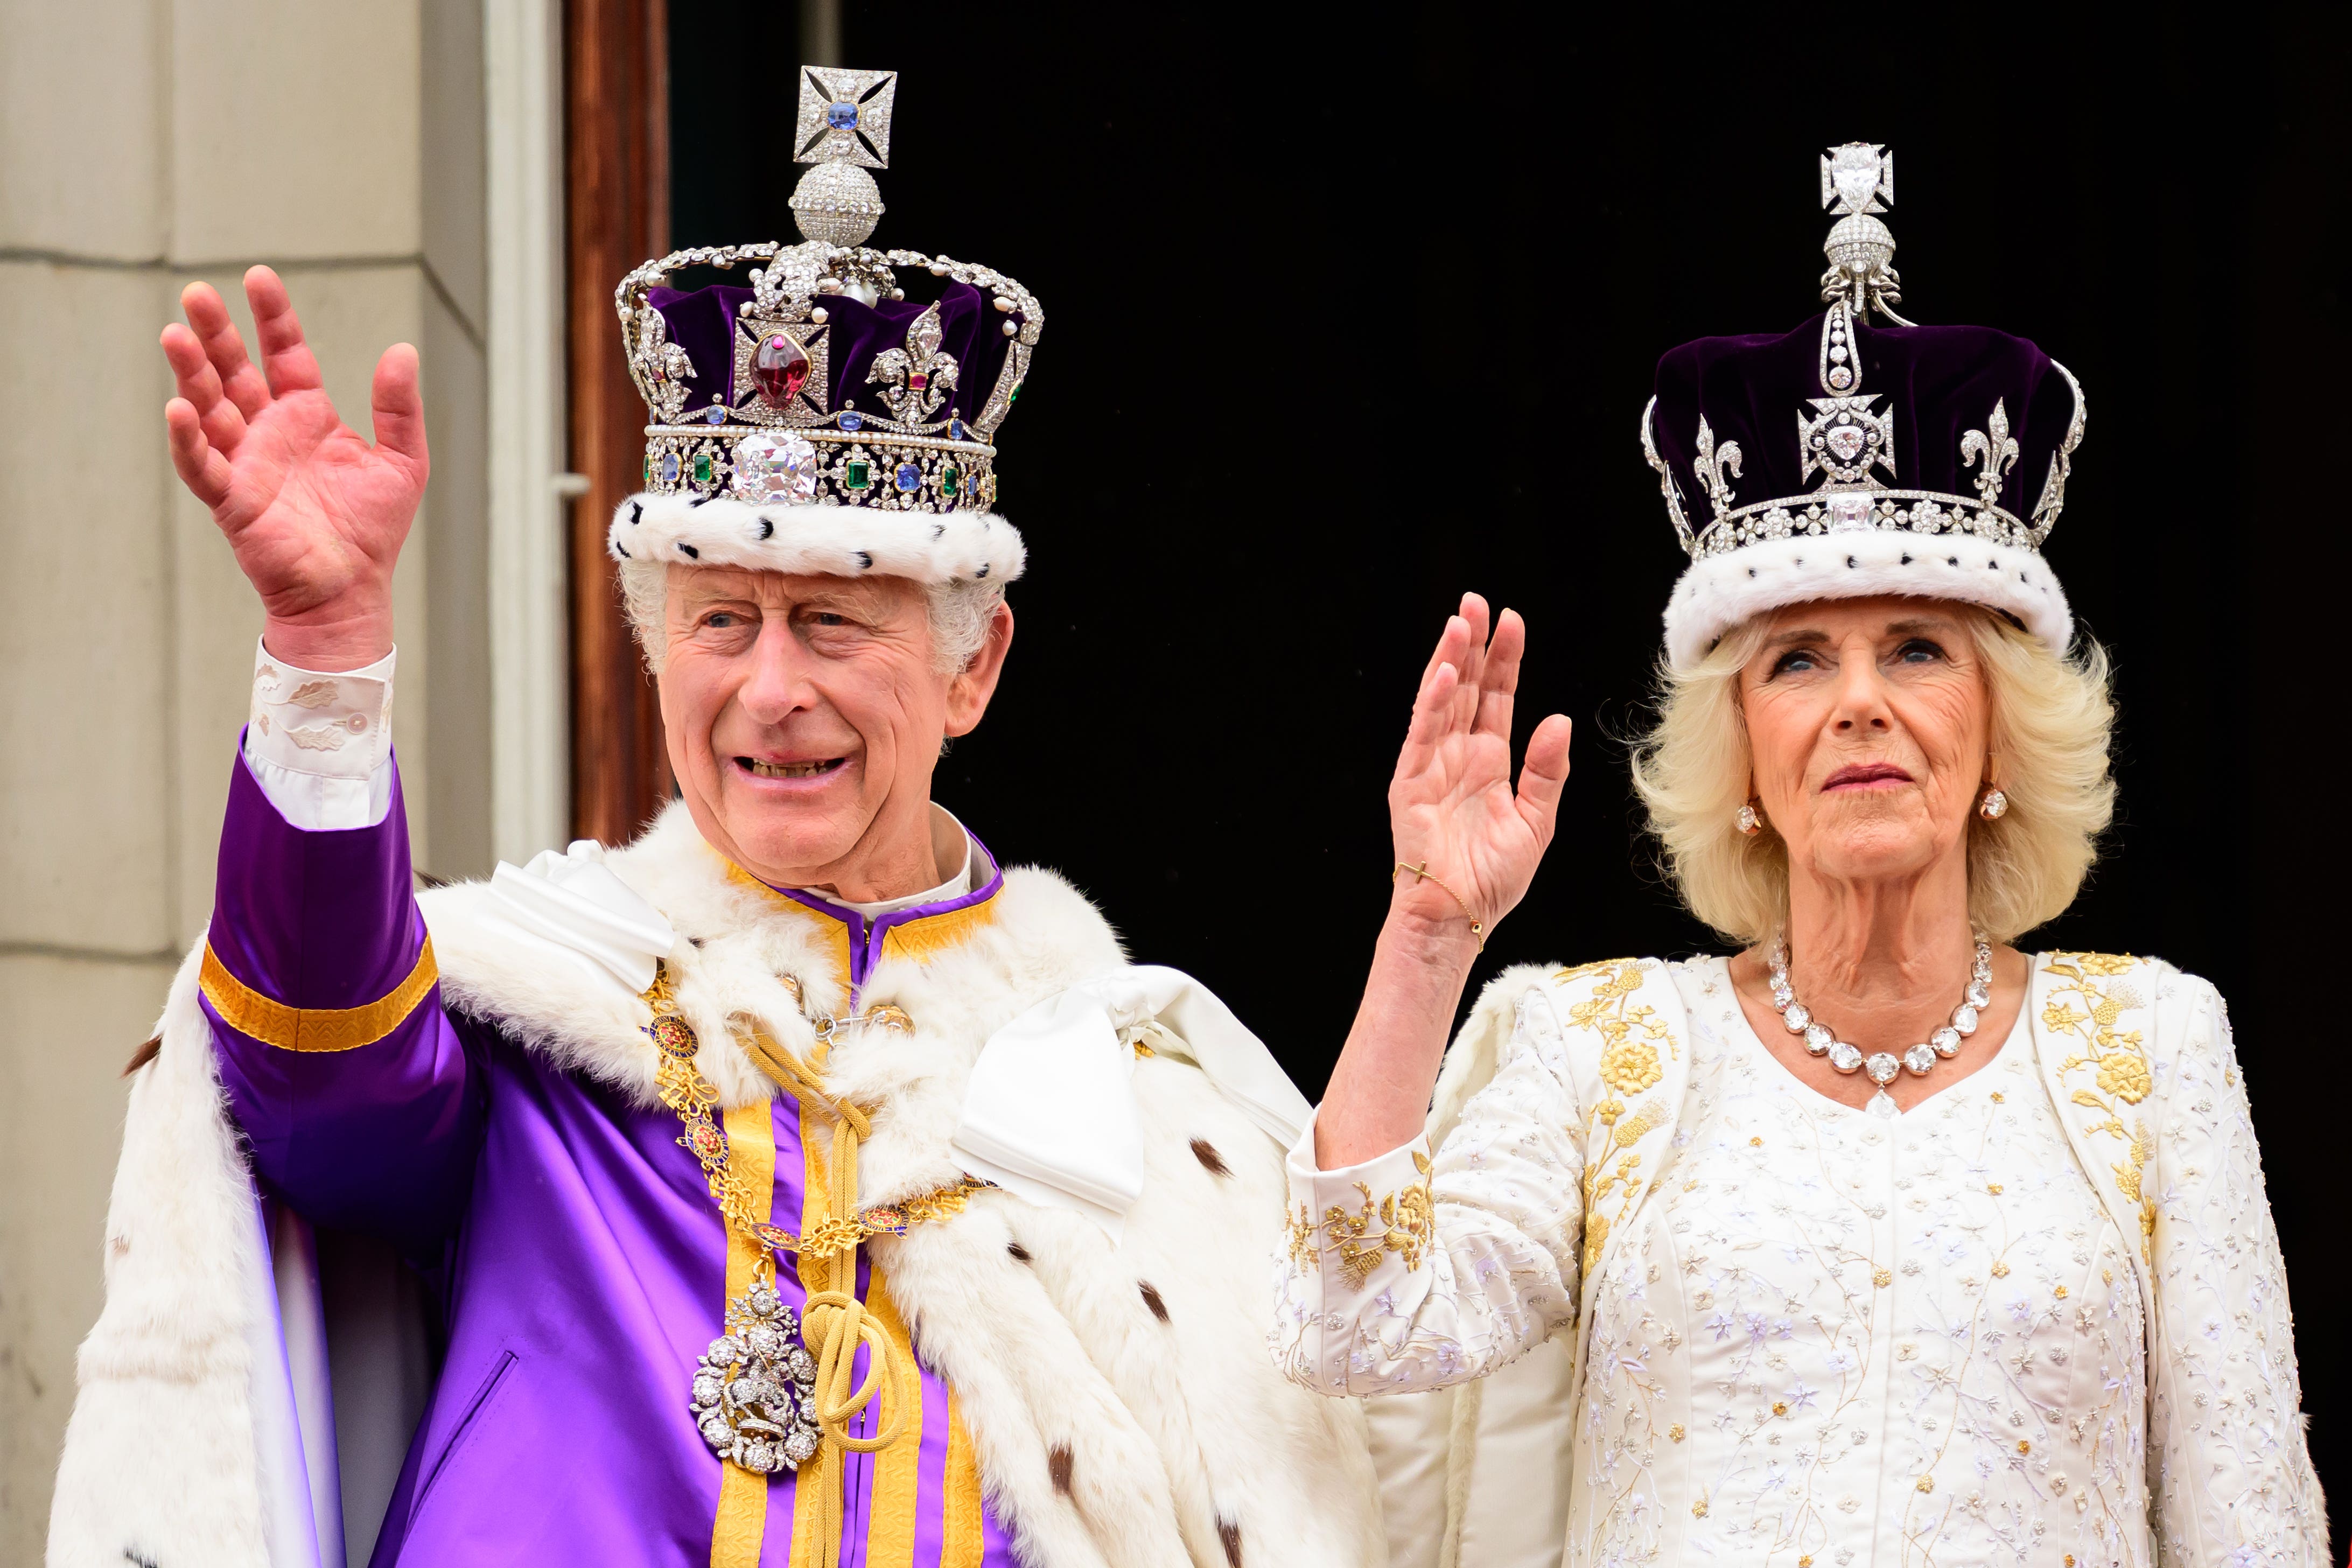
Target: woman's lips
pixel 1864 775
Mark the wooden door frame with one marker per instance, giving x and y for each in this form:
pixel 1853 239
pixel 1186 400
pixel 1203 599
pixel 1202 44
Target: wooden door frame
pixel 616 216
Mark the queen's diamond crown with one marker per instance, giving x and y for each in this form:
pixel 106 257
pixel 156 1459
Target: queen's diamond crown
pixel 1856 443
pixel 821 383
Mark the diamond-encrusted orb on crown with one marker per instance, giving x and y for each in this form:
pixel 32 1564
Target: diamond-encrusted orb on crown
pixel 837 203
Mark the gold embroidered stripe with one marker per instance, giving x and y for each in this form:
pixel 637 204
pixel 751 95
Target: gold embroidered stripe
pixel 742 1522
pixel 963 1541
pixel 273 1023
pixel 891 1528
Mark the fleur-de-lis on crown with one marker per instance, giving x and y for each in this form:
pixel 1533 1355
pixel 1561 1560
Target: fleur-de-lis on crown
pixel 1666 484
pixel 919 377
pixel 1713 463
pixel 1992 446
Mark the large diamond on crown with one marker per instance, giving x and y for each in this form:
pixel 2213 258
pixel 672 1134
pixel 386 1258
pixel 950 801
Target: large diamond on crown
pixel 775 470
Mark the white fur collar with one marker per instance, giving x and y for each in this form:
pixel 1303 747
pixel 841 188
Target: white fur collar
pixel 739 945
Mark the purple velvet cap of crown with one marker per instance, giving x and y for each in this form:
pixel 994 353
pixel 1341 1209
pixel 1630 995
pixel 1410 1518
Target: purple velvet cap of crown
pixel 1939 381
pixel 701 322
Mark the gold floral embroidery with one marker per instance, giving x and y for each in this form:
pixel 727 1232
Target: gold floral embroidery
pixel 1299 1240
pixel 2097 999
pixel 1629 1064
pixel 1629 1056
pixel 1406 1224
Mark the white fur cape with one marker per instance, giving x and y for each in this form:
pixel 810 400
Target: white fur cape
pixel 1122 1408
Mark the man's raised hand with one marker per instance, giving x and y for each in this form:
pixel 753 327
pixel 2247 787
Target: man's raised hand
pixel 315 514
pixel 1451 804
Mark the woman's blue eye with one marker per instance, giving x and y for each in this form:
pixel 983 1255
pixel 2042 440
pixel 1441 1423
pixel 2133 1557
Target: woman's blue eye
pixel 1793 661
pixel 1919 651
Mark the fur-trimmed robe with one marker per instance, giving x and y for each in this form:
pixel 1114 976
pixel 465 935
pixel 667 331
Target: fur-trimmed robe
pixel 1122 1406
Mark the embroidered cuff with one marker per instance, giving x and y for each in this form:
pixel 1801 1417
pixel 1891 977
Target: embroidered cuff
pixel 1355 1218
pixel 273 1023
pixel 330 725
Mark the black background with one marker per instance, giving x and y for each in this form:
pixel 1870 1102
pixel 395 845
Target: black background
pixel 1345 314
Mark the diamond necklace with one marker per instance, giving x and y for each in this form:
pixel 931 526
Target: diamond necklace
pixel 1881 1065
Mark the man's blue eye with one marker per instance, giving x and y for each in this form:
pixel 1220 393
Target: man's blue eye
pixel 722 620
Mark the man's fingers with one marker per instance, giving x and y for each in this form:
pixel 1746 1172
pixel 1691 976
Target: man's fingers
pixel 199 384
pixel 1544 774
pixel 398 406
pixel 207 314
pixel 285 357
pixel 202 469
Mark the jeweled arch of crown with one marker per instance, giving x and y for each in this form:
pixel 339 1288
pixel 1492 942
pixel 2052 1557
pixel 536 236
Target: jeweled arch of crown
pixel 1846 438
pixel 780 441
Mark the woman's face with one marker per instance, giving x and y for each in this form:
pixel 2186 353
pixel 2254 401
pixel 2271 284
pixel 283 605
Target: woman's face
pixel 1868 725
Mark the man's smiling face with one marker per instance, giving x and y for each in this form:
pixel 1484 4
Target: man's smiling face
pixel 804 716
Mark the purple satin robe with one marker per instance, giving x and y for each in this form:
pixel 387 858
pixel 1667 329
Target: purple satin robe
pixel 581 1259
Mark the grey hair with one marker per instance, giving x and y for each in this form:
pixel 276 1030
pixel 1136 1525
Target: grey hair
pixel 959 612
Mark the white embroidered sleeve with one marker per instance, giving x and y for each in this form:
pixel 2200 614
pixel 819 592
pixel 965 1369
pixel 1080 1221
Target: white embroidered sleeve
pixel 1406 1272
pixel 320 745
pixel 2226 1461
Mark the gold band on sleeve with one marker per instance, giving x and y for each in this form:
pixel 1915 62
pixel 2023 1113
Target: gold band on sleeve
pixel 273 1023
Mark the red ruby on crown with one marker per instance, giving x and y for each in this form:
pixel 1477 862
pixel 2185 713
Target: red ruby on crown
pixel 779 368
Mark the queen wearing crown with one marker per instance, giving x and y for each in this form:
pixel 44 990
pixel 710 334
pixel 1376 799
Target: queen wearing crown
pixel 1884 1241
pixel 798 1185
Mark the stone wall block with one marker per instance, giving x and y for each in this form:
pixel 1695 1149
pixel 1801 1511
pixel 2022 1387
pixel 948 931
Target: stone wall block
pixel 295 129
pixel 79 178
pixel 85 611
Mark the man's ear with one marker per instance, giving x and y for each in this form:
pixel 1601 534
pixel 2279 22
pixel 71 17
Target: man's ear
pixel 975 683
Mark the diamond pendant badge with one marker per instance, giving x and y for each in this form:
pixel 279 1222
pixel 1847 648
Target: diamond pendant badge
pixel 754 1389
pixel 1883 1108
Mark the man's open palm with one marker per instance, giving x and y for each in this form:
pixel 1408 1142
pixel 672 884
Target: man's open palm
pixel 316 515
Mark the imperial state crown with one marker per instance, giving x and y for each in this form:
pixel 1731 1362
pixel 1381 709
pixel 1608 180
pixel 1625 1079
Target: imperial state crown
pixel 1849 457
pixel 814 417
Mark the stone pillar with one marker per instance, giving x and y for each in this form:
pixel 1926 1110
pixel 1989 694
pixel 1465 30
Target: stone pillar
pixel 143 143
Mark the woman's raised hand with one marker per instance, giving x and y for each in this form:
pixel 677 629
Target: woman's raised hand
pixel 315 514
pixel 1454 813
pixel 1452 808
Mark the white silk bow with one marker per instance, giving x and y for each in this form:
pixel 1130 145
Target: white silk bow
pixel 1050 1111
pixel 573 903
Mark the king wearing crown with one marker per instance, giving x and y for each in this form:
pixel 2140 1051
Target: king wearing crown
pixel 797 1185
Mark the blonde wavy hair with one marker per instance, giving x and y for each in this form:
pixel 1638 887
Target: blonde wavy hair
pixel 2053 717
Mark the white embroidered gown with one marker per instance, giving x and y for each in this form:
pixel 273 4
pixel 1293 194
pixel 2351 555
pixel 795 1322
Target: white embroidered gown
pixel 1829 1338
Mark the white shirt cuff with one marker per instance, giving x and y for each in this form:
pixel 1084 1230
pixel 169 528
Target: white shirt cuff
pixel 1399 1168
pixel 319 743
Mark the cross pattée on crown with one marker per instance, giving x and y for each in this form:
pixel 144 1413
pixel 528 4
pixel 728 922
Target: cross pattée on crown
pixel 845 116
pixel 1855 176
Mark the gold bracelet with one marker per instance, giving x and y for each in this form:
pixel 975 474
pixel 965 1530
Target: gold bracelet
pixel 1478 926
